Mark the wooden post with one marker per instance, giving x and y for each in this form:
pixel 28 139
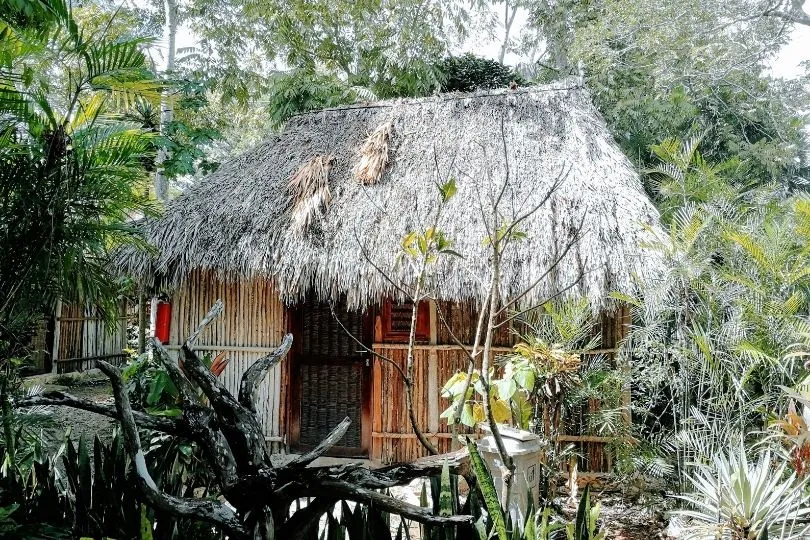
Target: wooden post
pixel 153 315
pixel 433 374
pixel 57 330
pixel 141 322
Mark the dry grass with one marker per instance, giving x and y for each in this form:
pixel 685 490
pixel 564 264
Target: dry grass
pixel 309 187
pixel 374 155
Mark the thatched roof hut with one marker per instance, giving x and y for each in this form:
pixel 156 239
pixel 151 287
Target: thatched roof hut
pixel 319 211
pixel 322 203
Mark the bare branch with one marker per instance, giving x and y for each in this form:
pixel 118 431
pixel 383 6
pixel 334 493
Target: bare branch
pixel 213 313
pixel 452 334
pixel 574 239
pixel 796 13
pixel 364 346
pixel 403 473
pixel 55 398
pixel 172 366
pixel 238 424
pixel 331 440
pixel 258 371
pixel 345 490
pixel 203 425
pixel 374 265
pixel 506 165
pixel 554 187
pixel 542 302
pixel 205 510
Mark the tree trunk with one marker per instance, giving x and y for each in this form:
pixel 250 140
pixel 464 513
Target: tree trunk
pixel 508 21
pixel 166 106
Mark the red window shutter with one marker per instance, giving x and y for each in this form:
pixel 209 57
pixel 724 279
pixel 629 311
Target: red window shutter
pixel 162 321
pixel 396 321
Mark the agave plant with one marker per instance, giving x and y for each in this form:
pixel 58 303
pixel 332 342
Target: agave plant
pixel 739 500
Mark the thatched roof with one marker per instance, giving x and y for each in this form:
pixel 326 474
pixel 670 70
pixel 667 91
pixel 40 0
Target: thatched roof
pixel 237 221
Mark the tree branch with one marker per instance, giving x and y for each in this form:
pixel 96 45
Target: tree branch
pixel 347 491
pixel 55 398
pixel 258 371
pixel 208 511
pixel 330 441
pixel 239 425
pixel 187 391
pixel 213 313
pixel 403 473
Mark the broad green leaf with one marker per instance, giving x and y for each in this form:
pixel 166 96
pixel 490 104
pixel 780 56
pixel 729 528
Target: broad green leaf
pixel 487 488
pixel 448 189
pixel 506 388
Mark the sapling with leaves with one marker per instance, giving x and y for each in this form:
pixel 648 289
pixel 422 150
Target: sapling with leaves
pixel 419 251
pixel 502 222
pixel 503 219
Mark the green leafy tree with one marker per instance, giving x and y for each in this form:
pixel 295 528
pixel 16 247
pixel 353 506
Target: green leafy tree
pixel 72 172
pixel 714 335
pixel 468 73
pixel 660 69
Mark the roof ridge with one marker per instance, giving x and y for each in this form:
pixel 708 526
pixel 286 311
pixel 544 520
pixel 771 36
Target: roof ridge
pixel 449 96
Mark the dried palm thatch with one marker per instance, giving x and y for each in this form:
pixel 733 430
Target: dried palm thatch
pixel 309 187
pixel 238 222
pixel 374 155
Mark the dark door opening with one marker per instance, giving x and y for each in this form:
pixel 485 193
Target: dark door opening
pixel 330 378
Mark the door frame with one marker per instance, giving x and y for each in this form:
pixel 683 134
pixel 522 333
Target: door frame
pixel 293 402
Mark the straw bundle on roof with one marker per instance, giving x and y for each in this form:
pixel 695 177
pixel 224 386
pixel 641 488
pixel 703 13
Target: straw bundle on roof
pixel 373 155
pixel 309 187
pixel 240 223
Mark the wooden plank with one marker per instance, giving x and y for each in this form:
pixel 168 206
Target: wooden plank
pixel 584 438
pixel 91 358
pixel 412 436
pixel 57 333
pixel 226 347
pixel 433 392
pixel 497 349
pixel 429 347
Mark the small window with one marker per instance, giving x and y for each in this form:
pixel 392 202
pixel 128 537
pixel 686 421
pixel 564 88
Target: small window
pixel 396 321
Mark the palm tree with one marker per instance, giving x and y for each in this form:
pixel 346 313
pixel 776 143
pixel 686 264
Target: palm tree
pixel 71 170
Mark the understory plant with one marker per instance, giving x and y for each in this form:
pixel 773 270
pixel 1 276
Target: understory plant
pixel 713 335
pixel 740 499
pixel 71 493
pixel 545 379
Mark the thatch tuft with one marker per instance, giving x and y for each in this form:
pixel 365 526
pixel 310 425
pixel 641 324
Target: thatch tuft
pixel 243 221
pixel 374 155
pixel 309 187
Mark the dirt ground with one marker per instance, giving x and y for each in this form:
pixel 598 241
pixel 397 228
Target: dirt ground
pixel 620 517
pixel 91 387
pixel 624 519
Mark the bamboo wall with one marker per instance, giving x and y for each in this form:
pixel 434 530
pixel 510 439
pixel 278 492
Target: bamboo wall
pixel 81 338
pixel 434 363
pixel 252 325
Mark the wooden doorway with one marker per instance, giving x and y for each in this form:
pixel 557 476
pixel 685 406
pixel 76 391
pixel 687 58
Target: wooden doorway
pixel 330 378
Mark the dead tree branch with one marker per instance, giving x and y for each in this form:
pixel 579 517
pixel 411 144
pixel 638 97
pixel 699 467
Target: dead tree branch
pixel 205 510
pixel 62 399
pixel 258 371
pixel 257 496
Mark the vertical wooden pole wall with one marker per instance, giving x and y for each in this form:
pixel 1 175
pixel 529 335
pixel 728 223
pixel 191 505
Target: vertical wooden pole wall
pixel 57 334
pixel 252 325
